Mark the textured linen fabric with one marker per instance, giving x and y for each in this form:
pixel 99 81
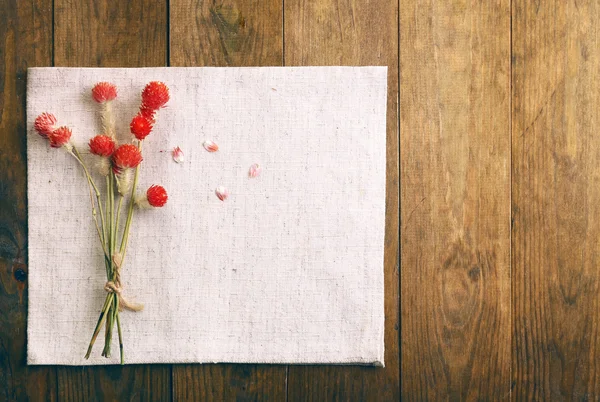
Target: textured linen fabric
pixel 289 269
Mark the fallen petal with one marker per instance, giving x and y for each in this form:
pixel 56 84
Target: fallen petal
pixel 177 155
pixel 222 193
pixel 210 146
pixel 254 170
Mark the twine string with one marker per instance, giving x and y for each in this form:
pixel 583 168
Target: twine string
pixel 115 286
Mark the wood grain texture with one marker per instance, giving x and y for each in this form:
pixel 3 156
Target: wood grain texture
pixel 556 194
pixel 229 382
pixel 330 32
pixel 25 41
pixel 118 383
pixel 96 33
pixel 455 175
pixel 111 34
pixel 228 33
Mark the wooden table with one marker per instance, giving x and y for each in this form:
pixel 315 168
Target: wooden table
pixel 491 145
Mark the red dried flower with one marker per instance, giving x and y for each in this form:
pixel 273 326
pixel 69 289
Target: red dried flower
pixel 127 156
pixel 147 113
pixel 45 124
pixel 102 145
pixel 59 137
pixel 157 196
pixel 104 92
pixel 140 127
pixel 155 95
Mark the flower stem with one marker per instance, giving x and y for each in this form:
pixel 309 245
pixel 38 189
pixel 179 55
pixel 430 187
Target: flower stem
pixel 114 318
pixel 94 189
pixel 101 320
pixel 112 215
pixel 107 118
pixel 125 238
pixel 118 215
pixel 107 230
pixel 91 182
pixel 111 240
pixel 120 338
pixel 106 332
pixel 110 325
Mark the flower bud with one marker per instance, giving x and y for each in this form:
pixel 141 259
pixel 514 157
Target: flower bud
pixel 102 145
pixel 127 156
pixel 155 197
pixel 60 137
pixel 140 126
pixel 155 95
pixel 45 124
pixel 104 92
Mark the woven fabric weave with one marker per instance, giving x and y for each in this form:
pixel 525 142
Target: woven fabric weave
pixel 289 269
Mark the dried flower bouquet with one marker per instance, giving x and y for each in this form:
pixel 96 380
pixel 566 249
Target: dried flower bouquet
pixel 119 165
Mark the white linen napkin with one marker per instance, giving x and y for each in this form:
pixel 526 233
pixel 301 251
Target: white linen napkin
pixel 289 269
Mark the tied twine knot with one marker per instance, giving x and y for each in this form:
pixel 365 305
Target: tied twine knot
pixel 116 287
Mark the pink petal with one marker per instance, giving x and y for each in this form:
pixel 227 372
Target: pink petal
pixel 222 193
pixel 177 155
pixel 210 146
pixel 254 170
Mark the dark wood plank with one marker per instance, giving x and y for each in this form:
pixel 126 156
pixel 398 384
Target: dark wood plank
pixel 228 33
pixel 26 41
pixel 117 383
pixel 455 175
pixel 328 32
pixel 112 34
pixel 556 200
pixel 97 33
pixel 228 382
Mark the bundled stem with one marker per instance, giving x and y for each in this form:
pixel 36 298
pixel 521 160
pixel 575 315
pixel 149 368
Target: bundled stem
pixel 112 308
pixel 154 96
pixel 114 257
pixel 108 234
pixel 114 158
